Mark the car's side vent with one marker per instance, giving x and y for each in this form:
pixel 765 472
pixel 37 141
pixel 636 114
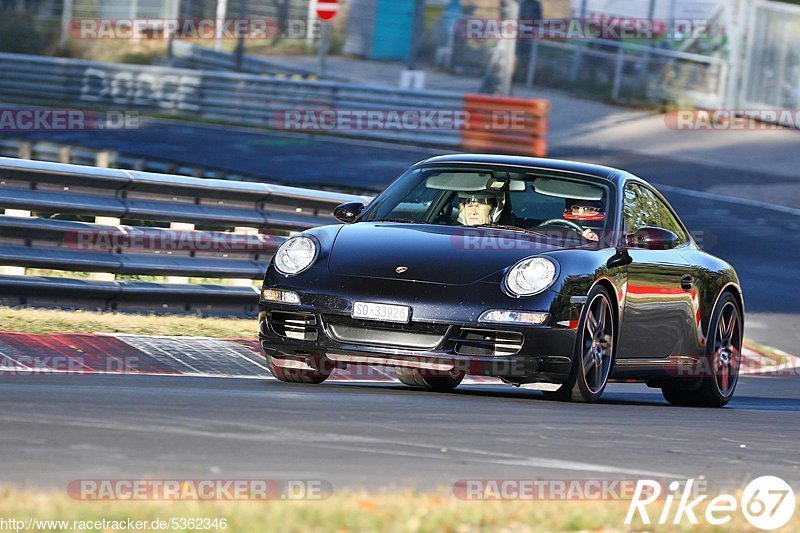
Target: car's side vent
pixel 299 326
pixel 487 342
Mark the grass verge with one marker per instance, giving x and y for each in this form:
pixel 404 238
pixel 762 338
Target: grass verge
pixel 30 320
pixel 359 511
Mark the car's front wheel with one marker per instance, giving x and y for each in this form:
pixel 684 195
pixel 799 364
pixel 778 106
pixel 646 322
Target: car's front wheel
pixel 278 367
pixel 594 351
pixel 429 379
pixel 720 371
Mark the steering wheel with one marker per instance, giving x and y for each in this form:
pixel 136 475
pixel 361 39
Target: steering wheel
pixel 562 222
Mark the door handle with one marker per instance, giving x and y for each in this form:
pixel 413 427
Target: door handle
pixel 686 283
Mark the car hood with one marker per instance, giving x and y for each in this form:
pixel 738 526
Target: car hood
pixel 430 253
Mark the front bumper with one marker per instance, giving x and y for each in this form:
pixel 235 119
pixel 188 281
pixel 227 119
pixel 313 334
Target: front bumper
pixel 443 332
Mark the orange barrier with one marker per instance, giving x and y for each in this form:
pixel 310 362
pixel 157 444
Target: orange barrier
pixel 505 124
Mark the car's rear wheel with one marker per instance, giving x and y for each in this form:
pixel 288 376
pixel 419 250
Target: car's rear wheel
pixel 594 351
pixel 720 371
pixel 297 375
pixel 429 379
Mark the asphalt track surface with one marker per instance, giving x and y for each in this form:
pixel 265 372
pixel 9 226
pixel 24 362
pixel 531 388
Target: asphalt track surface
pixel 60 428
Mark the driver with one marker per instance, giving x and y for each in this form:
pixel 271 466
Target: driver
pixel 476 208
pixel 585 211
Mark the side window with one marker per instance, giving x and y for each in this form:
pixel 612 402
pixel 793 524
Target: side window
pixel 663 215
pixel 643 208
pixel 636 210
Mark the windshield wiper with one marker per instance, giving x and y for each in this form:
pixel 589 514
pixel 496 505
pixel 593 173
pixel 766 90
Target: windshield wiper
pixel 502 226
pixel 401 220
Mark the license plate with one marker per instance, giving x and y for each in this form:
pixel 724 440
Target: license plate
pixel 382 312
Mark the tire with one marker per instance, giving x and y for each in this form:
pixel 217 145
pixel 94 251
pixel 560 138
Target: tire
pixel 720 372
pixel 296 375
pixel 593 356
pixel 429 379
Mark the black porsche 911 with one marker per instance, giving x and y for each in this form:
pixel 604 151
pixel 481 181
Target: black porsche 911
pixel 551 275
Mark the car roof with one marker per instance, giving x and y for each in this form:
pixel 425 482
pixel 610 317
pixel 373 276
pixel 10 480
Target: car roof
pixel 610 173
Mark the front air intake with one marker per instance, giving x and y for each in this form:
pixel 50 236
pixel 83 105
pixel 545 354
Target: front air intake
pixel 487 342
pixel 297 326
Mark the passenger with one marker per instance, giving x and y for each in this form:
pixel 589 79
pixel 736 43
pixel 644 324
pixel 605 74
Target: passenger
pixel 476 208
pixel 583 211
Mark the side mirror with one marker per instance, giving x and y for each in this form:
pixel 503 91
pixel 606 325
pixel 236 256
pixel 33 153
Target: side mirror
pixel 652 238
pixel 348 212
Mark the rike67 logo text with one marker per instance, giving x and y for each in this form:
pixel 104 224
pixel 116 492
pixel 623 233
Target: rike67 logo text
pixel 767 502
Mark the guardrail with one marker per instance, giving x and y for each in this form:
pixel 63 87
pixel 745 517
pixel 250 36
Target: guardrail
pixel 144 224
pixel 17 147
pixel 242 99
pixel 68 153
pixel 212 96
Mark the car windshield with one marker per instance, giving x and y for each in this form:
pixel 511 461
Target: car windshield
pixel 492 197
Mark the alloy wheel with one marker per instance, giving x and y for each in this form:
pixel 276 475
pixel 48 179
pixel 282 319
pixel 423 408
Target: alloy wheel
pixel 598 343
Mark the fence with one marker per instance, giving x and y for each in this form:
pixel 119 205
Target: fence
pixel 628 72
pixel 186 54
pixel 144 224
pixel 771 76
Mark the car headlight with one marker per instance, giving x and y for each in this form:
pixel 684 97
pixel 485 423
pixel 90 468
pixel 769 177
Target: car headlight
pixel 531 276
pixel 295 255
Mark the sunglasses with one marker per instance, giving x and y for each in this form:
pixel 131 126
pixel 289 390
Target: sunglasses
pixel 584 210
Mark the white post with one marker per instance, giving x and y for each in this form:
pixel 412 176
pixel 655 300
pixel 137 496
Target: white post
pixel 104 159
pixel 134 13
pixel 735 20
pixel 672 15
pixel 179 226
pixel 238 282
pixel 105 276
pixel 312 20
pixel 65 155
pixel 222 8
pixel 509 61
pixel 66 19
pixel 14 270
pixel 324 44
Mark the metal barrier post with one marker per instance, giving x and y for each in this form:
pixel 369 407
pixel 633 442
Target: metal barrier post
pixel 534 53
pixel 619 61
